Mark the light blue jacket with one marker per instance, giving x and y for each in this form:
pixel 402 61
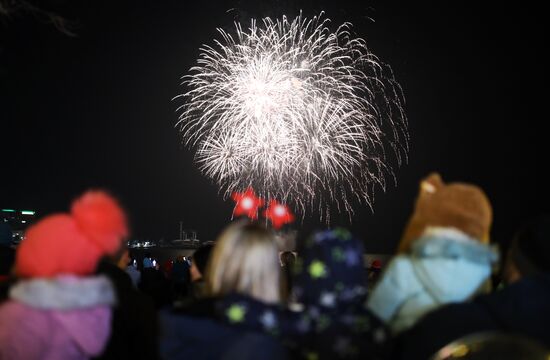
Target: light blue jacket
pixel 444 266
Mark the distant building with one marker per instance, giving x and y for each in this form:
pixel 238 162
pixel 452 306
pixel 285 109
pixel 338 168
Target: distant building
pixel 187 240
pixel 18 221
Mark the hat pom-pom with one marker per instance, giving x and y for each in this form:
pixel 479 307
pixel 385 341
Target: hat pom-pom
pixel 101 219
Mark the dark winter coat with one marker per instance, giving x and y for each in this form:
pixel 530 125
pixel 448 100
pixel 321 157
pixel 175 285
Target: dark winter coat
pixel 521 308
pixel 155 284
pixel 135 327
pixel 200 332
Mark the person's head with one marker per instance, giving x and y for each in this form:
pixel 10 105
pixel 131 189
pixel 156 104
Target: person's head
pixel 73 243
pixel 200 260
pixel 376 265
pixel 374 271
pixel 167 267
pixel 122 258
pixel 330 270
pixel 287 259
pixel 245 260
pixel 493 345
pixel 147 261
pixel 132 259
pixel 529 252
pixel 460 206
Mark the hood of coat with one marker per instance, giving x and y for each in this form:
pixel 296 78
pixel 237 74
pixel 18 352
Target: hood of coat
pixel 450 264
pixel 329 271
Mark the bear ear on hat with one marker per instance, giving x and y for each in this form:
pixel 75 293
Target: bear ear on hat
pixel 431 183
pixel 417 223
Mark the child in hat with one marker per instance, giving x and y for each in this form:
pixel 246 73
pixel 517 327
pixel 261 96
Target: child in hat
pixel 443 256
pixel 58 309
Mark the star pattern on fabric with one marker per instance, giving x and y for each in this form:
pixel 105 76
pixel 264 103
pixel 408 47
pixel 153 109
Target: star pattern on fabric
pixel 268 320
pixel 328 299
pixel 321 236
pixel 342 234
pixel 317 269
pixel 348 294
pixel 304 324
pixel 236 313
pixel 352 257
pixel 338 254
pixel 314 312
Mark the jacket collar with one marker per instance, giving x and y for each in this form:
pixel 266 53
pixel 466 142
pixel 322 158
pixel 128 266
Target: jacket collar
pixel 438 242
pixel 64 292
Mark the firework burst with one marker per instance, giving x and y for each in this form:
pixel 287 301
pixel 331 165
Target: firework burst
pixel 298 112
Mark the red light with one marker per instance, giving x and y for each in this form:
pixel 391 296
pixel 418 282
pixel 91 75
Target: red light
pixel 247 203
pixel 278 214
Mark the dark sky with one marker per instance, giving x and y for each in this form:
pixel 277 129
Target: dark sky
pixel 95 110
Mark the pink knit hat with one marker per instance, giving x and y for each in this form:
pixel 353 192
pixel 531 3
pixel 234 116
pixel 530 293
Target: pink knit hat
pixel 73 243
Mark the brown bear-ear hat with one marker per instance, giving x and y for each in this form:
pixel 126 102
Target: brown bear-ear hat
pixel 461 206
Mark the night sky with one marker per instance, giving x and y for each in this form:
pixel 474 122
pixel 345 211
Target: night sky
pixel 96 109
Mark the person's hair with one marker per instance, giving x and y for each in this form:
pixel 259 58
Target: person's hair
pixel 245 261
pixel 201 256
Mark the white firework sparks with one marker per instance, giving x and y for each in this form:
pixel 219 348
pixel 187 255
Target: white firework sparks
pixel 296 111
